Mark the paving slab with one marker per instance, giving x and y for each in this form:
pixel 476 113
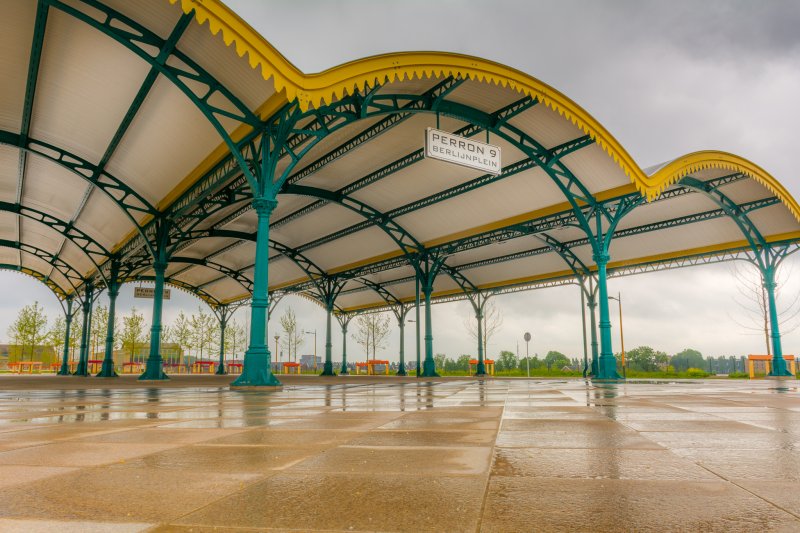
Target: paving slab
pixel 389 454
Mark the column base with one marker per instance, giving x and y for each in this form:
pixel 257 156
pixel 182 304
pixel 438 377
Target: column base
pixel 327 370
pixel 607 369
pixel 779 368
pixel 429 370
pixel 780 377
pixel 107 371
pixel 82 371
pixel 221 371
pixel 256 372
pixel 64 371
pixel 480 374
pixel 401 372
pixel 154 370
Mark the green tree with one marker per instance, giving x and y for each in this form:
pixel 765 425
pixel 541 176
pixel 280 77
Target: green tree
pixel 686 359
pixel 29 329
pixel 439 360
pixel 57 333
pixel 556 360
pixel 204 332
pixel 291 339
pixel 234 338
pixel 75 335
pixel 181 333
pixel 506 361
pixel 133 333
pixel 100 329
pixel 462 363
pixel 372 332
pixel 646 358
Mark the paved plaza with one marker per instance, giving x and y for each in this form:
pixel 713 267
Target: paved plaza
pixel 382 454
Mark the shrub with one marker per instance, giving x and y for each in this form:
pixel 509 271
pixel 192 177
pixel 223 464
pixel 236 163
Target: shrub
pixel 738 375
pixel 696 373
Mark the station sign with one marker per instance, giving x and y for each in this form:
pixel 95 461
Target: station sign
pixel 445 146
pixel 148 292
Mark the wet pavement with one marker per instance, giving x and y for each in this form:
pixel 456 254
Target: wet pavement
pixel 382 454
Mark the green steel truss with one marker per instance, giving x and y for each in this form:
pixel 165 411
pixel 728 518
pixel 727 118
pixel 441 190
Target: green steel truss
pixel 247 179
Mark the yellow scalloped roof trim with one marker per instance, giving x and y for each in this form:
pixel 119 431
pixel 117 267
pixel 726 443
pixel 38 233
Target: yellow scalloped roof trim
pixel 312 90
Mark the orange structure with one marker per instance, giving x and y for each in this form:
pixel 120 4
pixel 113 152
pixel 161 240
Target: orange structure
pixel 135 367
pixel 488 363
pixel 370 366
pixel 234 368
pixel 175 368
pixel 204 367
pixel 288 366
pixel 20 367
pixel 753 360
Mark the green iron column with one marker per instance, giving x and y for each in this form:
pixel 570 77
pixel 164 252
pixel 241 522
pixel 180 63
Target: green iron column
pixel 429 366
pixel 154 366
pixel 481 368
pixel 607 364
pixel 107 371
pixel 418 370
pixel 401 323
pixel 83 361
pixel 345 322
pixel 223 323
pixel 64 371
pixel 327 368
pixel 778 362
pixel 256 371
pixel 592 305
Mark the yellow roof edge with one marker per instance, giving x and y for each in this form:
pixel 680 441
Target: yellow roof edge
pixel 553 276
pixel 312 90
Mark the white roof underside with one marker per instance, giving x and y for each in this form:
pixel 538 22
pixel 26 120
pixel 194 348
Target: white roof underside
pixel 87 82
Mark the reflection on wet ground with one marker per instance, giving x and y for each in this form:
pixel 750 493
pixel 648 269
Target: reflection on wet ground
pixel 382 454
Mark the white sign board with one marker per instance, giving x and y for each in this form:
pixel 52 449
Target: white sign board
pixel 452 148
pixel 148 292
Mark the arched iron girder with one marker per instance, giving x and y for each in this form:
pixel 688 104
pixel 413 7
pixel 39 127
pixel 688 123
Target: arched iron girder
pixel 229 272
pixel 80 239
pixel 481 181
pixel 238 190
pixel 73 277
pixel 397 307
pixel 314 273
pixel 50 284
pixel 87 244
pixel 544 225
pixel 432 96
pixel 130 202
pixel 189 77
pixel 186 287
pixel 557 153
pixel 575 264
pixel 566 247
pixel 736 213
pixel 574 191
pixel 404 240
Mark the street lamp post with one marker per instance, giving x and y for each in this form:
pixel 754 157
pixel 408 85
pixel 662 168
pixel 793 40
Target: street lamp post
pixel 315 346
pixel 527 338
pixel 276 348
pixel 621 334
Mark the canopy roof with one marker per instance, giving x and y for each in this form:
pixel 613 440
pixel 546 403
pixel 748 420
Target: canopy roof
pixel 112 121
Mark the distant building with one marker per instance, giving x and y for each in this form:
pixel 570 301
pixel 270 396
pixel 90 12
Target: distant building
pixel 308 361
pixel 11 353
pixel 170 352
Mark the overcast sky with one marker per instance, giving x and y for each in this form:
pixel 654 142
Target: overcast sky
pixel 665 78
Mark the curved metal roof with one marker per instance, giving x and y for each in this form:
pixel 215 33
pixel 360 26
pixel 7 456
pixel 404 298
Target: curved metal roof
pixel 117 117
